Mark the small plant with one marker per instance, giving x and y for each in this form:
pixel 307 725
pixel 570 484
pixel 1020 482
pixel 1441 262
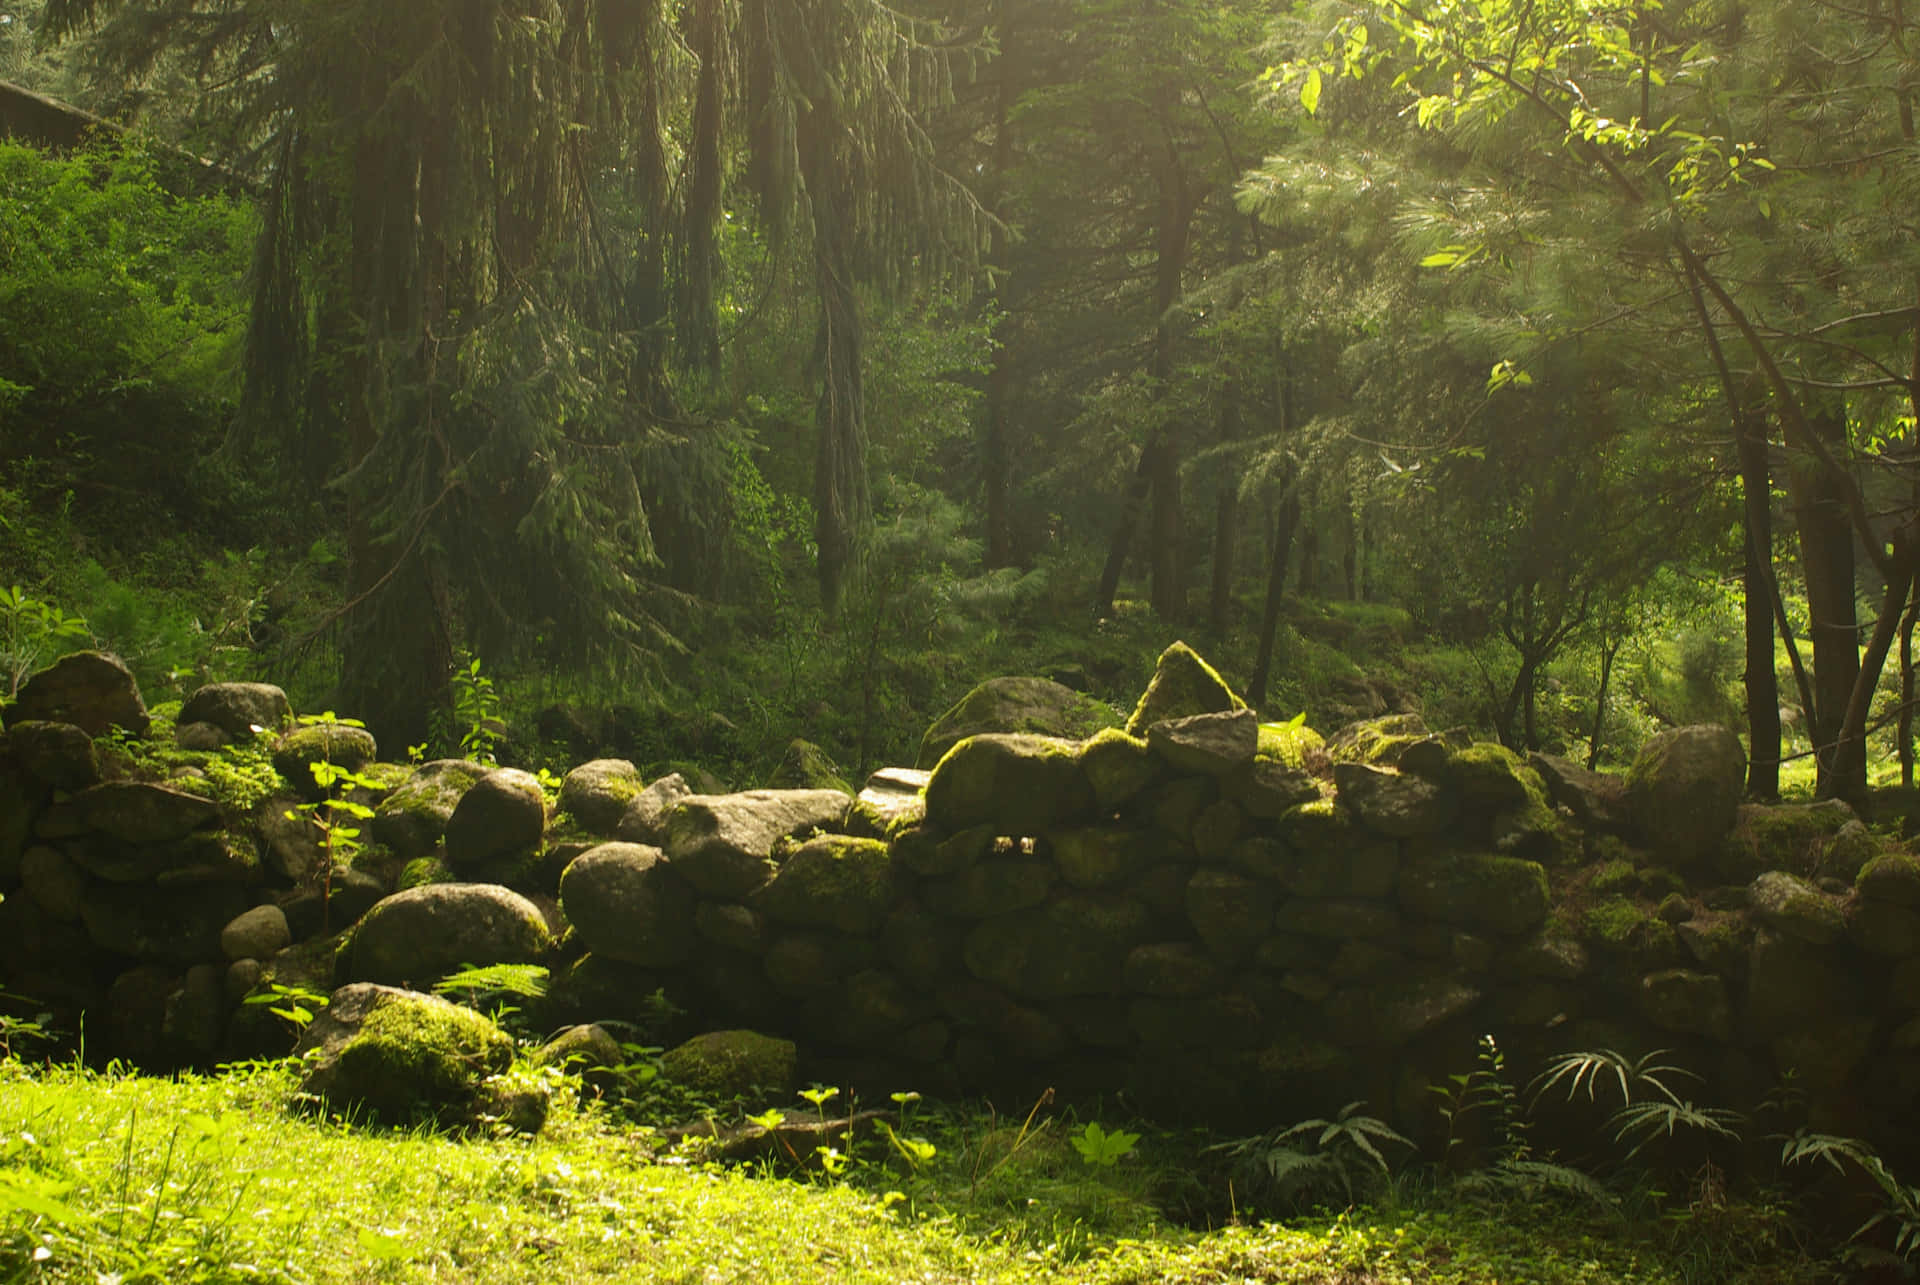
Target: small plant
pixel 489 988
pixel 33 632
pixel 1312 1159
pixel 1649 1109
pixel 1900 1203
pixel 476 711
pixel 1484 1098
pixel 1101 1149
pixel 295 1005
pixel 17 1034
pixel 339 840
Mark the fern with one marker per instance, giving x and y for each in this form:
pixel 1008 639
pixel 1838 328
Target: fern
pixel 1317 1156
pixel 1900 1208
pixel 528 981
pixel 1586 1070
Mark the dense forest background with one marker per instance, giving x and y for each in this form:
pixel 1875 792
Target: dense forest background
pixel 673 380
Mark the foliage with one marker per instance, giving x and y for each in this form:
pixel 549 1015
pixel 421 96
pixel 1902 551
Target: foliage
pixel 1304 1164
pixel 1900 1208
pixel 33 633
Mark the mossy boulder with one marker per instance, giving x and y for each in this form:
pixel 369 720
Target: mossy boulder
pixel 1290 745
pixel 1182 685
pixel 499 821
pixel 597 793
pixel 1598 800
pixel 139 812
pixel 1377 742
pixel 1796 908
pixel 1172 970
pixel 733 1064
pixel 627 902
pixel 90 689
pixel 342 745
pixel 1793 985
pixel 1491 778
pixel 996 885
pixel 1021 785
pixel 60 755
pixel 397 1054
pixel 1882 928
pixel 1216 745
pixel 1631 936
pixel 411 820
pixel 1101 856
pixel 645 820
pixel 723 844
pixel 241 710
pixel 805 766
pixel 1267 788
pixel 1229 911
pixel 1783 836
pixel 1075 944
pixel 159 925
pixel 421 871
pixel 1034 706
pixel 892 800
pixel 1504 895
pixel 1684 790
pixel 834 881
pixel 1398 805
pixel 1892 877
pixel 1687 1003
pixel 418 936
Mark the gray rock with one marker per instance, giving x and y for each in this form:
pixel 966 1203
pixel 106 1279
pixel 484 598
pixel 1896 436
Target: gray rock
pixel 396 1053
pixel 731 925
pixel 1687 1003
pixel 833 881
pixel 1395 1013
pixel 260 933
pixel 723 844
pixel 290 842
pixel 629 903
pixel 204 737
pixel 1396 804
pixel 1075 944
pixel 932 854
pixel 205 856
pixel 1021 785
pixel 1267 789
pixel 996 886
pixel 728 1064
pixel 141 812
pixel 1229 911
pixel 598 793
pixel 421 935
pixel 411 820
pixel 1497 894
pixel 340 744
pixel 1217 745
pixel 1892 877
pixel 59 754
pixel 644 821
pixel 90 689
pixel 1182 685
pixel 1797 908
pixel 1549 957
pixel 1034 706
pixel 503 816
pixel 241 710
pixel 805 766
pixel 195 1015
pixel 1684 791
pixel 1598 800
pixel 892 797
pixel 55 883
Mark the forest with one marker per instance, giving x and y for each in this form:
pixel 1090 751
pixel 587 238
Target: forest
pixel 543 381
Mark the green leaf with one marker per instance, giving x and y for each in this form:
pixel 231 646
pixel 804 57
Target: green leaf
pixel 1310 92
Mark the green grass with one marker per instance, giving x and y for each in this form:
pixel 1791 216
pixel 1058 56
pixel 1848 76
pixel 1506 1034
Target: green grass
pixel 110 1177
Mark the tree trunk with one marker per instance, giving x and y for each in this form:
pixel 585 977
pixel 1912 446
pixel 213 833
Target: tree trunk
pixel 840 493
pixel 1284 523
pixel 996 453
pixel 1906 689
pixel 1762 683
pixel 1609 648
pixel 1226 528
pixel 1826 552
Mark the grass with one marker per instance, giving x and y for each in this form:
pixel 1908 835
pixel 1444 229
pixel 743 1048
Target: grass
pixel 109 1177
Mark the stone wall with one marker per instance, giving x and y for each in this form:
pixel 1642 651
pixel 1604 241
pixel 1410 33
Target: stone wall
pixel 1217 919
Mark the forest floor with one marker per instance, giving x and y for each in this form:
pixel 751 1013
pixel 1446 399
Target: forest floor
pixel 115 1179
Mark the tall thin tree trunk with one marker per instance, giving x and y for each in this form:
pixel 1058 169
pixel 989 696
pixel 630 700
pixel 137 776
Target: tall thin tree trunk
pixel 1762 683
pixel 1826 551
pixel 1609 648
pixel 1283 527
pixel 1906 688
pixel 996 448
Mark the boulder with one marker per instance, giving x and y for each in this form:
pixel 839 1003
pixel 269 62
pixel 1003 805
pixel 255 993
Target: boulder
pixel 204 856
pixel 1117 766
pixel 1883 928
pixel 194 1018
pixel 644 821
pixel 1396 804
pixel 1268 789
pixel 1892 877
pixel 502 817
pixel 397 1054
pixel 90 689
pixel 1229 911
pixel 1016 1031
pixel 892 799
pixel 1171 970
pixel 411 820
pixel 56 884
pixel 241 710
pixel 58 754
pixel 805 766
pixel 587 1050
pixel 1377 742
pixel 21 800
pixel 341 744
pixel 833 881
pixel 1021 785
pixel 289 840
pixel 598 793
pixel 730 1064
pixel 1687 1003
pixel 1034 706
pixel 1796 908
pixel 142 812
pixel 1216 745
pixel 162 926
pixel 260 933
pixel 1182 685
pixel 423 934
pixel 1497 894
pixel 1793 985
pixel 732 926
pixel 1683 792
pixel 995 886
pixel 723 844
pixel 1291 745
pixel 1397 1012
pixel 1074 944
pixel 1598 800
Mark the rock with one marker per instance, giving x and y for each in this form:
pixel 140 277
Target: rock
pixel 1598 800
pixel 134 1029
pixel 1502 895
pixel 1207 744
pixel 1796 908
pixel 1291 745
pixel 1267 789
pixel 56 884
pixel 205 856
pixel 1118 767
pixel 1223 1020
pixel 1021 785
pixel 1822 1059
pixel 241 710
pixel 587 1050
pixel 1782 836
pixel 1101 856
pixel 1032 706
pixel 1719 942
pixel 628 902
pixel 1075 944
pixel 805 965
pixel 242 976
pixel 598 793
pixel 395 1054
pixel 1396 804
pixel 931 854
pixel 344 901
pixel 1687 1003
pixel 805 766
pixel 1884 929
pixel 723 844
pixel 21 800
pixel 833 881
pixel 596 989
pixel 203 737
pixel 1684 791
pixel 1632 938
pixel 423 934
pixel 502 817
pixel 1182 685
pixel 259 933
pixel 1848 851
pixel 1229 911
pixel 1173 969
pixel 1376 742
pixel 920 947
pixel 730 1064
pixel 140 812
pixel 1398 1012
pixel 1491 778
pixel 290 842
pixel 59 754
pixel 411 820
pixel 1548 957
pixel 732 926
pixel 341 744
pixel 1017 1032
pixel 996 886
pixel 162 926
pixel 874 1007
pixel 1337 919
pixel 891 800
pixel 1216 830
pixel 1892 877
pixel 1792 985
pixel 194 1017
pixel 644 821
pixel 90 689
